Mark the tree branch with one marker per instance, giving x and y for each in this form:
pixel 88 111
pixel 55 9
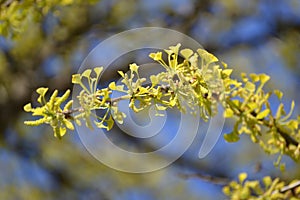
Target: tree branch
pixel 208 178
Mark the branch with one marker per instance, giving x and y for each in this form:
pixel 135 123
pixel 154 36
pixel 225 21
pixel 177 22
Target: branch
pixel 290 187
pixel 208 178
pixel 288 139
pixel 80 109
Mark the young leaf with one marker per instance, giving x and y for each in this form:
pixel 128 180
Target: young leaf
pixel 263 114
pixel 158 107
pixel 254 77
pixel 228 113
pixel 250 86
pixel 227 72
pixel 110 123
pixel 280 111
pixel 175 49
pixel 290 113
pixel 242 177
pixel 28 107
pixel 156 56
pixel 121 73
pixel 87 73
pixel 68 124
pixel 207 57
pixel 68 105
pixel 186 53
pixel 154 80
pixel 76 79
pixel 267 181
pixel 134 68
pixel 63 98
pixel 36 122
pixel 231 137
pixel 42 91
pixel 112 86
pixel 278 93
pixel 263 78
pixel 98 71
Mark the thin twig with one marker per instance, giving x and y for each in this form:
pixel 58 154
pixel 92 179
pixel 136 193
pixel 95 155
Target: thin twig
pixel 290 187
pixel 207 178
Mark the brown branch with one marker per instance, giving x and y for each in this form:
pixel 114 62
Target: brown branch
pixel 208 178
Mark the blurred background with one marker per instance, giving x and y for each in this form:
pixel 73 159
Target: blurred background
pixel 42 43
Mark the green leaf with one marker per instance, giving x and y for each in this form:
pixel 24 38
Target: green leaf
pixel 255 78
pixel 27 107
pixel 36 122
pixel 154 80
pixel 227 72
pixel 156 56
pixel 267 181
pixel 278 93
pixel 280 111
pixel 226 190
pixel 282 167
pixel 207 57
pixel 175 49
pixel 68 105
pixel 87 73
pixel 117 115
pixel 98 71
pixel 186 53
pixel 63 98
pixel 242 177
pixel 263 114
pixel 245 193
pixel 39 111
pixel 290 113
pixel 76 79
pixel 120 88
pixel 52 98
pixel 293 124
pixel 121 73
pixel 112 86
pixel 134 68
pixel 59 131
pixel 228 113
pixel 254 185
pixel 231 137
pixel 263 78
pixel 62 131
pixel 252 106
pixel 78 122
pixel 224 65
pixel 110 123
pixel 250 86
pixel 42 91
pixel 158 107
pixel 244 77
pixel 68 124
pixel 173 102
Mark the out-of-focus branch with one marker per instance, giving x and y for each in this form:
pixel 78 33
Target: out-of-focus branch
pixel 208 178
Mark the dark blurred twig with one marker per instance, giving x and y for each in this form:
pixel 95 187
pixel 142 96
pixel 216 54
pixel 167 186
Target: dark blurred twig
pixel 208 178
